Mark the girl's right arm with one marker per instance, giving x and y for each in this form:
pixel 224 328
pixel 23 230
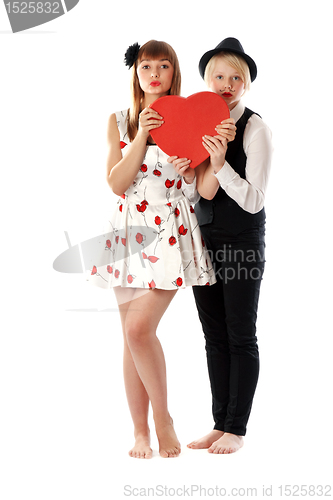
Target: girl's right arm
pixel 121 171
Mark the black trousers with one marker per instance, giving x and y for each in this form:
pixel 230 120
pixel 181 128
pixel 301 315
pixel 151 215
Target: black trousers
pixel 228 313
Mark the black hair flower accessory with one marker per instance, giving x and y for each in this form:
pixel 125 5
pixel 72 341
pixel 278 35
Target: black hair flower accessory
pixel 131 54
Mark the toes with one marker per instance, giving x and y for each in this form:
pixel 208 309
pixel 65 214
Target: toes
pixel 193 445
pixel 170 453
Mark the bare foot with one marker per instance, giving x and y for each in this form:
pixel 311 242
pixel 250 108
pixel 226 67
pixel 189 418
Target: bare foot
pixel 228 443
pixel 141 448
pixel 169 444
pixel 206 441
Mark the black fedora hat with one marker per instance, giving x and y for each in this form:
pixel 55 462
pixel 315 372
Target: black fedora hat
pixel 228 45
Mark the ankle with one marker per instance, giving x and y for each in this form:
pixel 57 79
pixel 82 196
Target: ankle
pixel 162 419
pixel 141 432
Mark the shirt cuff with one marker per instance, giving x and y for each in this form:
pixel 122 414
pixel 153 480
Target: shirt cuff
pixel 190 191
pixel 226 175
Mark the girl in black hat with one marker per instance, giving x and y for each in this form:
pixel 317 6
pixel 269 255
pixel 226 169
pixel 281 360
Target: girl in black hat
pixel 230 190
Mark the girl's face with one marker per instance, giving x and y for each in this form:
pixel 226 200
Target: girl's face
pixel 226 82
pixel 155 76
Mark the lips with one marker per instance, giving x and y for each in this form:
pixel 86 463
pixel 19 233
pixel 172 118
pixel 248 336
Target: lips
pixel 155 84
pixel 227 94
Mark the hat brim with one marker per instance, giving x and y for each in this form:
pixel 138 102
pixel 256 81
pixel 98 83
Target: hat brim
pixel 208 55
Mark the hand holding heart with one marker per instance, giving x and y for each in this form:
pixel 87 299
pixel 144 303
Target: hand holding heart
pixel 148 120
pixel 217 148
pixel 182 167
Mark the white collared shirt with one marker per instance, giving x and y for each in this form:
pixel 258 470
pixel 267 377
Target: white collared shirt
pixel 249 193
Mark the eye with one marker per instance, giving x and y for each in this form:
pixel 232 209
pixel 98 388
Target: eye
pixel 164 66
pixel 236 78
pixel 219 77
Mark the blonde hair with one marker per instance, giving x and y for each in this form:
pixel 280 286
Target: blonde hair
pixel 235 61
pixel 150 50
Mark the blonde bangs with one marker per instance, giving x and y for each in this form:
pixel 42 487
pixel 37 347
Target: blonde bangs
pixel 235 61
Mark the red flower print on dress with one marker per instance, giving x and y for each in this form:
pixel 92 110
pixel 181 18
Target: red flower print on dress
pixel 157 172
pixel 169 183
pixel 123 240
pixel 95 273
pixel 182 231
pixel 139 238
pixel 152 284
pixel 120 208
pixel 172 240
pixel 177 212
pixel 109 269
pixel 123 196
pixel 130 279
pixel 191 209
pixel 122 144
pixel 158 220
pixel 143 167
pixel 143 206
pixel 179 184
pixel 108 243
pixel 116 273
pixel 117 239
pixel 178 282
pixel 151 259
pixel 203 241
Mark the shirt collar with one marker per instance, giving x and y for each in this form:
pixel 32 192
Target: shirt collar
pixel 237 112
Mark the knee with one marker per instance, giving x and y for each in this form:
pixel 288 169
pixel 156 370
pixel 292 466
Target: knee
pixel 136 334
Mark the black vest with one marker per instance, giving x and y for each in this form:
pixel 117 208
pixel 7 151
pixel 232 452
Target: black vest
pixel 222 210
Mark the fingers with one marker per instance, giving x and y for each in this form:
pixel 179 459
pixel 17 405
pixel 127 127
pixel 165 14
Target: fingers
pixel 179 162
pixel 215 144
pixel 171 159
pixel 150 119
pixel 182 167
pixel 227 129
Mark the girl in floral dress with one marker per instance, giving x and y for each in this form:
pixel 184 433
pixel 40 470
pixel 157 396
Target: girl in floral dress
pixel 153 245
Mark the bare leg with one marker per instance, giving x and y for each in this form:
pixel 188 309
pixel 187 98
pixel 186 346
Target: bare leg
pixel 137 397
pixel 140 317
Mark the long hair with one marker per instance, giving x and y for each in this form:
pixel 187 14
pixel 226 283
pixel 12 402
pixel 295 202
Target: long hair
pixel 150 50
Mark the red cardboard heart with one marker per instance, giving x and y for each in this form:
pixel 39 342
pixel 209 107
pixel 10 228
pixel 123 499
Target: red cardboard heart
pixel 186 120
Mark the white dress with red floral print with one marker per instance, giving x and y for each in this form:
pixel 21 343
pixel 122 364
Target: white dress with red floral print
pixel 153 239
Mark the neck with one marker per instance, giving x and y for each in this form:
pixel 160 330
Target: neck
pixel 233 105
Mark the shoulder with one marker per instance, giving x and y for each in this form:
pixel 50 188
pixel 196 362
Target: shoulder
pixel 255 125
pixel 118 120
pixel 121 116
pixel 257 134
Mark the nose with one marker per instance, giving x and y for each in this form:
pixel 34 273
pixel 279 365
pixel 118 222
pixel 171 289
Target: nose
pixel 154 73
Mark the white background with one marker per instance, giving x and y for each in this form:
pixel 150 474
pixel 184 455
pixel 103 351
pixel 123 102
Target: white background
pixel 65 428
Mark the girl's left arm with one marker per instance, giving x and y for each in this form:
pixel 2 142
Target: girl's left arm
pixel 249 193
pixel 207 184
